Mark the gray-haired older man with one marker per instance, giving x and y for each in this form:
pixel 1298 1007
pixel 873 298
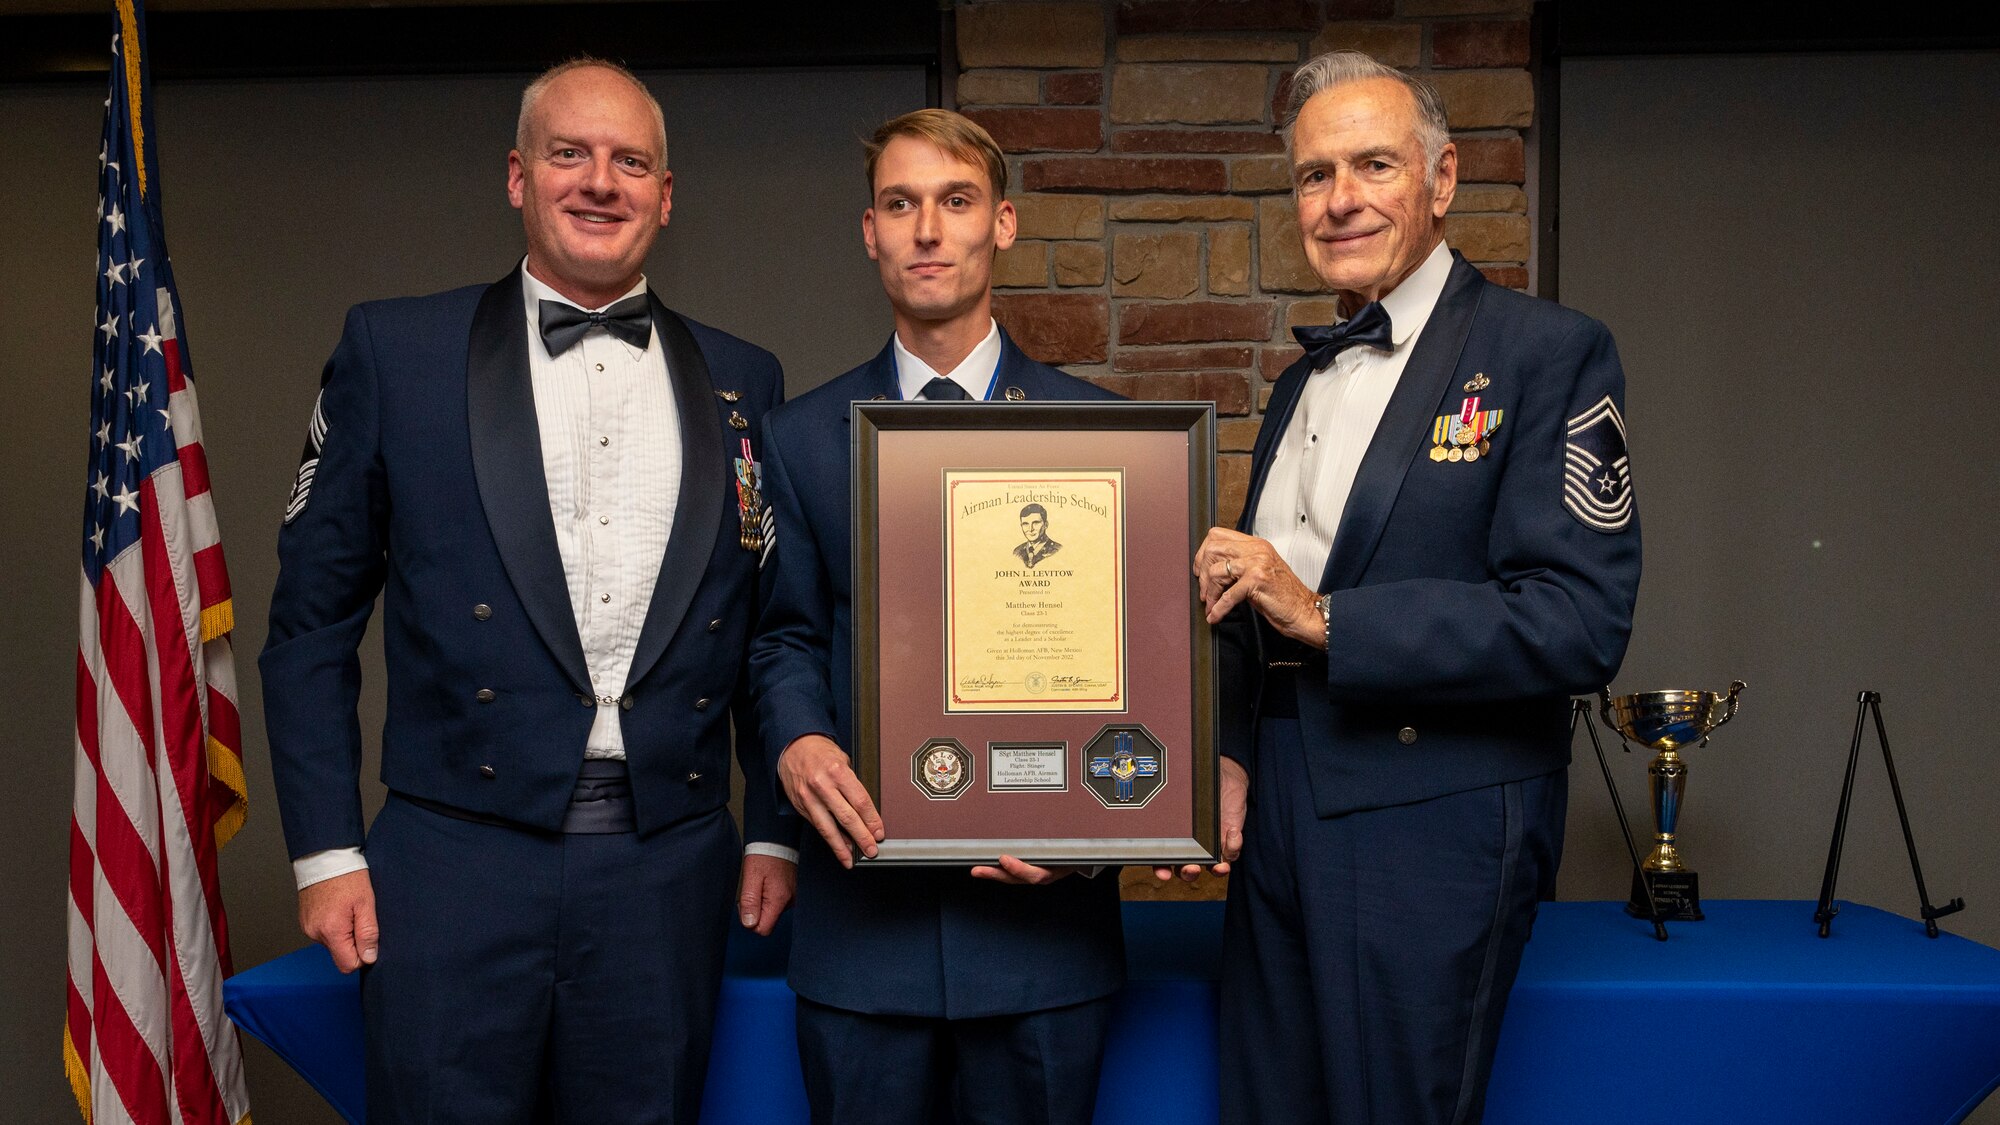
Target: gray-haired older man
pixel 1439 548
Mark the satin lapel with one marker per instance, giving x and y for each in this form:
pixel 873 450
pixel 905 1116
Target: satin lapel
pixel 1277 415
pixel 507 464
pixel 703 482
pixel 1405 424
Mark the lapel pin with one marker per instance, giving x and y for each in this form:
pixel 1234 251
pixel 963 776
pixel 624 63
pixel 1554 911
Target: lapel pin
pixel 1478 382
pixel 1016 394
pixel 737 421
pixel 729 396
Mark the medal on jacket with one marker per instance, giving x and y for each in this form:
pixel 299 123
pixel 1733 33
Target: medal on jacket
pixel 750 500
pixel 1465 439
pixel 1463 436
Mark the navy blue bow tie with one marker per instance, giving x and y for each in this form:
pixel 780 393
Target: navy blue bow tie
pixel 631 320
pixel 1369 326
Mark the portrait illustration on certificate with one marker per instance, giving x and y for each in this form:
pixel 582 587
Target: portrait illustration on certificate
pixel 1034 590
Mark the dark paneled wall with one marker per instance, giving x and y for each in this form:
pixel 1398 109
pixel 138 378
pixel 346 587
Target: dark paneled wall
pixel 287 201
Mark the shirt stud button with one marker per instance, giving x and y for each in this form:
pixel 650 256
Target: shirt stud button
pixel 606 598
pixel 600 367
pixel 604 441
pixel 602 520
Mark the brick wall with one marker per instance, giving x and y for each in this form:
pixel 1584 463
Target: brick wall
pixel 1159 250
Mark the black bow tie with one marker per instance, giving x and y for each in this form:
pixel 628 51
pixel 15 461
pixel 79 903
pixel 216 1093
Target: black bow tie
pixel 563 325
pixel 1369 326
pixel 942 389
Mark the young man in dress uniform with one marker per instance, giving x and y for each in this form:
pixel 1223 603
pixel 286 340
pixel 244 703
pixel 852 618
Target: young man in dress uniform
pixel 918 988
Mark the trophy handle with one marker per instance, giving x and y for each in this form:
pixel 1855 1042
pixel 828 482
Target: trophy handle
pixel 1604 712
pixel 1735 689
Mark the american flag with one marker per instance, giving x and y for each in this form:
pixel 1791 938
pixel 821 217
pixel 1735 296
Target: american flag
pixel 159 760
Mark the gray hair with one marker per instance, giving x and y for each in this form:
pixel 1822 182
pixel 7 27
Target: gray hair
pixel 540 85
pixel 1338 68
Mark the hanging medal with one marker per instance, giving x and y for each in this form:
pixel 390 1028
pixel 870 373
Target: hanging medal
pixel 1489 420
pixel 1440 430
pixel 1464 437
pixel 750 500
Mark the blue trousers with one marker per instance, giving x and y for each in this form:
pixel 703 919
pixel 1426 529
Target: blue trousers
pixel 528 976
pixel 1367 957
pixel 1035 1068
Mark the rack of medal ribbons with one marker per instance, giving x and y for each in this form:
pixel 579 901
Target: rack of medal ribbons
pixel 1463 436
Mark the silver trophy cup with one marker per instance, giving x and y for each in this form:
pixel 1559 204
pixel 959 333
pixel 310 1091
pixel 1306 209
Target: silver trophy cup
pixel 1668 721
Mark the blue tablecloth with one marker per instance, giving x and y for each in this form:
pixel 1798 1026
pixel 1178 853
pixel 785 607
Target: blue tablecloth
pixel 1747 1016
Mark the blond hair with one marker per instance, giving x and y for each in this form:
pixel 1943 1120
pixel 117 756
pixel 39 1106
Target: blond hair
pixel 954 133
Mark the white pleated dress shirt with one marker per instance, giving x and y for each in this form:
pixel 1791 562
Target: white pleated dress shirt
pixel 1312 472
pixel 611 453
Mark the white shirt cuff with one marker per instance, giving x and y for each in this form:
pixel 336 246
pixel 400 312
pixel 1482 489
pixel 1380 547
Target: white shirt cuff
pixel 321 866
pixel 775 851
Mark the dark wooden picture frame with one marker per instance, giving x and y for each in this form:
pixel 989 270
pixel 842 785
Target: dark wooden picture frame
pixel 1166 453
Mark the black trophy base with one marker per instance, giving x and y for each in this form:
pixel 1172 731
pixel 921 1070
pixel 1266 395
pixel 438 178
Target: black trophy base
pixel 1678 894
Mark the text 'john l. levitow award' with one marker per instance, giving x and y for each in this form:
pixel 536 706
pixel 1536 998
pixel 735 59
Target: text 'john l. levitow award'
pixel 1034 590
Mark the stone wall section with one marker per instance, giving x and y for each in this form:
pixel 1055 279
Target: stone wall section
pixel 1159 249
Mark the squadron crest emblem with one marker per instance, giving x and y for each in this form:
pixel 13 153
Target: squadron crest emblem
pixel 1124 766
pixel 941 769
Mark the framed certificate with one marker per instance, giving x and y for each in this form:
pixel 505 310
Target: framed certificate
pixel 1033 672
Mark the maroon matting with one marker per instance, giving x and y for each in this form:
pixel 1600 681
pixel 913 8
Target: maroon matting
pixel 1159 593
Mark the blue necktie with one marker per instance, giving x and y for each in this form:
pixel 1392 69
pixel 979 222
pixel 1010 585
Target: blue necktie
pixel 944 390
pixel 631 320
pixel 1369 326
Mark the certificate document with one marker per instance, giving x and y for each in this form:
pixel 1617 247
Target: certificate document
pixel 1034 592
pixel 1034 674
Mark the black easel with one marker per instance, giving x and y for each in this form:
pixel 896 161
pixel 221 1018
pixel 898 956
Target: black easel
pixel 1872 702
pixel 1582 707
